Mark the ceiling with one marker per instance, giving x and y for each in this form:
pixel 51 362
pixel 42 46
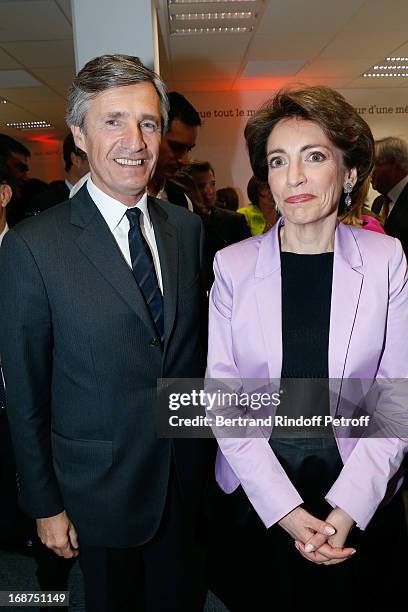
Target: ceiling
pixel 325 42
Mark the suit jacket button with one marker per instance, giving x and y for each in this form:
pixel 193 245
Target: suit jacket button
pixel 154 342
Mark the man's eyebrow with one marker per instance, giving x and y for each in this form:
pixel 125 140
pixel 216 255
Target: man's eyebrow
pixel 305 148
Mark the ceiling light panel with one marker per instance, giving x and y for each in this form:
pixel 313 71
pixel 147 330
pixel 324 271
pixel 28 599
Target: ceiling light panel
pixel 216 17
pixel 175 2
pixel 212 16
pixel 390 68
pixel 221 30
pixel 28 125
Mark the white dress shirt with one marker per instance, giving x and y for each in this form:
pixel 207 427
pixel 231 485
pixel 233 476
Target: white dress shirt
pixel 162 195
pixel 114 213
pixel 395 193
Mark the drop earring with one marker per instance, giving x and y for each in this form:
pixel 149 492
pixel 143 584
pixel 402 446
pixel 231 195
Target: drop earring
pixel 348 188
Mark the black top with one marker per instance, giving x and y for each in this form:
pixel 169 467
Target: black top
pixel 306 300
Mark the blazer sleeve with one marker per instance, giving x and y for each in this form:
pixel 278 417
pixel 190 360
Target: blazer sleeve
pixel 363 481
pixel 26 349
pixel 263 479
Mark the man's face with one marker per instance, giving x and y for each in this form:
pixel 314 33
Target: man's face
pixel 17 164
pixel 205 182
pixel 175 147
pixel 382 178
pixel 121 138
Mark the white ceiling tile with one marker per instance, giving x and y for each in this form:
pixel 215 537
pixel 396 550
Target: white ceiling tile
pixel 32 20
pixel 24 95
pixel 367 45
pixel 281 46
pixel 17 78
pixel 187 70
pixel 311 16
pixel 272 68
pixel 377 16
pixel 58 79
pixel 334 68
pixel 42 54
pixel 7 62
pixel 212 47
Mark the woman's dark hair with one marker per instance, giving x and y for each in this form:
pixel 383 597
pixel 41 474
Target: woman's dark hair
pixel 327 108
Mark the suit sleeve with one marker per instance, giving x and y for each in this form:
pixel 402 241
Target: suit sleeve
pixel 363 481
pixel 252 460
pixel 26 348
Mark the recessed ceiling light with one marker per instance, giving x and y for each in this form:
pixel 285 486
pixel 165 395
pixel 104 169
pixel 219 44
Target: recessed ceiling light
pixel 28 125
pixel 212 16
pixel 3 101
pixel 391 67
pixel 221 30
pixel 382 75
pixel 209 1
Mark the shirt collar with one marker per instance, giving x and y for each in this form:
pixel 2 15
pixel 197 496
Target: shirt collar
pixel 396 191
pixel 3 233
pixel 112 210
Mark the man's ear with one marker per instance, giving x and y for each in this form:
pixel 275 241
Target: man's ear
pixel 79 138
pixel 75 160
pixel 5 195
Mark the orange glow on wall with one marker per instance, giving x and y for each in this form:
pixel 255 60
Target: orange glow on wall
pixel 46 162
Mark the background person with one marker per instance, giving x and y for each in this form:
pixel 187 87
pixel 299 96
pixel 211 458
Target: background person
pixel 227 198
pixel 297 303
pixel 221 227
pixel 260 214
pixel 175 147
pixel 16 156
pixel 390 178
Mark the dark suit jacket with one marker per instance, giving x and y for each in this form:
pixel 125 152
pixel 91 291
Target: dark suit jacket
pixel 222 228
pixel 397 222
pixel 81 362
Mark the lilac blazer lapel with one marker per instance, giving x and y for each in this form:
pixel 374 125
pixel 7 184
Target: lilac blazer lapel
pixel 346 291
pixel 268 290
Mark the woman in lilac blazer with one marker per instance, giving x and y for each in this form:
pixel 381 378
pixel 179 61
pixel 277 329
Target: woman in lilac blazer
pixel 311 299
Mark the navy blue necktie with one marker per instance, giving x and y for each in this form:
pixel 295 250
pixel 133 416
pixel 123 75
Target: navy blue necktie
pixel 2 392
pixel 144 271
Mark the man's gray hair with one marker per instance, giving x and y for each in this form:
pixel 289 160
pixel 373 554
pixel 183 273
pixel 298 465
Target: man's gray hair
pixel 392 150
pixel 108 71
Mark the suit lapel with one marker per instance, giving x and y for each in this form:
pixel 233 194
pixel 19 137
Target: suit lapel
pixel 346 290
pixel 167 245
pixel 99 246
pixel 268 292
pixel 397 216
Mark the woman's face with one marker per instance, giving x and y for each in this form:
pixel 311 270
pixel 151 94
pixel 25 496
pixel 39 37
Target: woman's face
pixel 306 172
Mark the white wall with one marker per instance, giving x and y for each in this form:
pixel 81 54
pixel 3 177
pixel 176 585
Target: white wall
pixel 224 116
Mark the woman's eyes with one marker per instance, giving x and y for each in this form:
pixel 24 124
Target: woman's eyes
pixel 276 162
pixel 314 156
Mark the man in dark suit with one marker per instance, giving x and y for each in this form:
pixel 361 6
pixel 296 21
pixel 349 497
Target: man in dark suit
pixel 222 227
pixel 175 147
pixel 390 178
pixel 100 298
pixel 76 166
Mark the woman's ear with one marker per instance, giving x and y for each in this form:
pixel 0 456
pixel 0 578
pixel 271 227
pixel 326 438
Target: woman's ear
pixel 350 176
